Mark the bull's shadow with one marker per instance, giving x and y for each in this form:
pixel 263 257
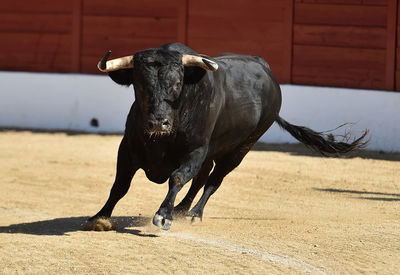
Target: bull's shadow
pixel 364 195
pixel 298 149
pixel 63 226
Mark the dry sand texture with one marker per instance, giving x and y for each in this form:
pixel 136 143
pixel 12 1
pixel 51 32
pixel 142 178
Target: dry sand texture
pixel 282 211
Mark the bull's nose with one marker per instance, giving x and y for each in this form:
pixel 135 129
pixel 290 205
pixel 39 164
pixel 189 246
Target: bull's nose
pixel 166 125
pixel 161 125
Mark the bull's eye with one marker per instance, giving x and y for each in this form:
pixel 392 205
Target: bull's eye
pixel 176 85
pixel 175 89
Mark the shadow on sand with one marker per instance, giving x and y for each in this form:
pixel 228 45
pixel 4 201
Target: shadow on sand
pixel 365 195
pixel 63 226
pixel 302 150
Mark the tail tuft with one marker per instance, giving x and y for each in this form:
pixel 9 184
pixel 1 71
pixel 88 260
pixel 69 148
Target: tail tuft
pixel 324 144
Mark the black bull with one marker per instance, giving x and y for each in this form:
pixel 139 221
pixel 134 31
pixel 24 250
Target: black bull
pixel 194 114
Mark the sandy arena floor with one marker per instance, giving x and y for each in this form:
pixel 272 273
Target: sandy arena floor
pixel 283 211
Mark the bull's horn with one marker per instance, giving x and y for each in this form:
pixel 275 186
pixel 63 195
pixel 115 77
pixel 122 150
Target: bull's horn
pixel 198 61
pixel 105 66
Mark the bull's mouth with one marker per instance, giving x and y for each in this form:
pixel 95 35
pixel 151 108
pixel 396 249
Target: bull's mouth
pixel 157 134
pixel 158 128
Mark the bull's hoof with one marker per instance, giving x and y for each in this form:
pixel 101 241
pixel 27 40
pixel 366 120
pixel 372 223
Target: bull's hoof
pixel 100 224
pixel 162 222
pixel 195 215
pixel 193 219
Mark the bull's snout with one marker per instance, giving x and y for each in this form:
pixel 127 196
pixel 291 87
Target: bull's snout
pixel 160 126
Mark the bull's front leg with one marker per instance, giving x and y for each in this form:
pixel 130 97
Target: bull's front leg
pixel 126 168
pixel 189 168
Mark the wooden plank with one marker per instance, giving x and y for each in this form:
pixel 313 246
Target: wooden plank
pixel 36 22
pixel 376 2
pixel 271 52
pixel 237 10
pixel 256 48
pixel 349 78
pixel 349 2
pixel 35 62
pixel 263 28
pixel 350 15
pixel 397 78
pixel 183 17
pixel 339 57
pixel 286 75
pixel 124 35
pixel 391 45
pixel 247 29
pixel 35 43
pixel 89 64
pixel 37 6
pixel 76 36
pixel 340 36
pixel 97 46
pixel 35 52
pixel 345 2
pixel 344 67
pixel 398 58
pixel 130 27
pixel 134 8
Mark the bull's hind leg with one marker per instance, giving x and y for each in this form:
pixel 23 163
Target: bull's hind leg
pixel 125 171
pixel 223 166
pixel 198 182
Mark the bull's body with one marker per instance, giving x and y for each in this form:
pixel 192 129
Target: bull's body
pixel 218 115
pixel 212 123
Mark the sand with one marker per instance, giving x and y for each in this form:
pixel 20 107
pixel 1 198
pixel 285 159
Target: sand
pixel 283 210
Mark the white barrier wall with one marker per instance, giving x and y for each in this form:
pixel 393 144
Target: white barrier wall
pixel 71 101
pixel 63 102
pixel 322 108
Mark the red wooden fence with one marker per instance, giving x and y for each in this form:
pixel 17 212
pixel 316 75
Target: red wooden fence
pixel 36 35
pixel 397 75
pixel 340 43
pixel 253 27
pixel 346 43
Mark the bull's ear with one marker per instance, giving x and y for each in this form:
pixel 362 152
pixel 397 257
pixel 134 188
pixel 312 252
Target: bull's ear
pixel 122 77
pixel 193 75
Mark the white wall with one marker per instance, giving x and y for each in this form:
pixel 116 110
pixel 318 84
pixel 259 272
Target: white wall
pixel 70 101
pixel 322 108
pixel 63 102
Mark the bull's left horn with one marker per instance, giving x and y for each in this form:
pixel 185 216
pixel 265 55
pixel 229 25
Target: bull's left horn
pixel 198 61
pixel 105 66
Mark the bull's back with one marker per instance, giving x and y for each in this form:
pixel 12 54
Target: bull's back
pixel 250 100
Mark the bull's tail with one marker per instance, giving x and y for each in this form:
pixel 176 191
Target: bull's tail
pixel 322 143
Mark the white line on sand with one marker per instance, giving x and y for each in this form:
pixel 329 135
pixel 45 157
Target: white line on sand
pixel 267 256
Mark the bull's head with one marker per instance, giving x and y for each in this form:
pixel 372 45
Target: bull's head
pixel 158 77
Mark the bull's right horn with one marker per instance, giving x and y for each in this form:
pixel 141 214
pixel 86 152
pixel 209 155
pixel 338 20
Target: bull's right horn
pixel 199 61
pixel 105 66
